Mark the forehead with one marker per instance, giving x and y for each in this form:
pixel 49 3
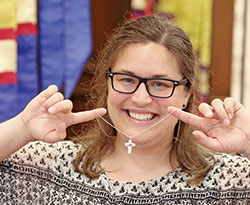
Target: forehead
pixel 147 60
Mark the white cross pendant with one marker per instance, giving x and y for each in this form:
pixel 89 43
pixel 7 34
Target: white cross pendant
pixel 129 144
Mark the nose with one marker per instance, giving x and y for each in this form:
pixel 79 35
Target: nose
pixel 141 96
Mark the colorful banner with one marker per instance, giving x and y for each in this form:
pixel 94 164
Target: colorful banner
pixel 8 45
pixel 18 59
pixel 33 57
pixel 8 56
pixel 27 75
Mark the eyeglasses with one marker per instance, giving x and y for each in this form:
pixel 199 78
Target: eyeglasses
pixel 156 87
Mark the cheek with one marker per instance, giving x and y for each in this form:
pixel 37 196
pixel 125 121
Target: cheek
pixel 115 104
pixel 115 99
pixel 169 102
pixel 176 101
pixel 111 100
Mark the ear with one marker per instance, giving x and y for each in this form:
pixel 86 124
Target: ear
pixel 186 98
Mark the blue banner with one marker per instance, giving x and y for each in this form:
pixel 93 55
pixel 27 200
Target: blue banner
pixel 65 42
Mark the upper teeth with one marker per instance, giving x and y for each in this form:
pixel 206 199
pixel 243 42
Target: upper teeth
pixel 140 116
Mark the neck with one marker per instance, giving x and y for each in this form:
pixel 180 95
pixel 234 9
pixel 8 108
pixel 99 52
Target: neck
pixel 135 167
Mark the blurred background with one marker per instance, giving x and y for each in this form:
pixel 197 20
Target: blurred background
pixel 45 42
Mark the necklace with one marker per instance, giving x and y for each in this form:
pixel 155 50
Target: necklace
pixel 130 143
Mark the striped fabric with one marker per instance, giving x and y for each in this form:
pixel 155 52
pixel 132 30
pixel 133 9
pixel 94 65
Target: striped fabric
pixel 35 54
pixel 8 45
pixel 18 45
pixel 27 74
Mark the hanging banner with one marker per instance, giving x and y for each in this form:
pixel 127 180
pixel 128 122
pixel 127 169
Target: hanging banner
pixel 33 57
pixel 65 49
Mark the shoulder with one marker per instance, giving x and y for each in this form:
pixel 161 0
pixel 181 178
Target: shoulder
pixel 42 154
pixel 232 171
pixel 232 161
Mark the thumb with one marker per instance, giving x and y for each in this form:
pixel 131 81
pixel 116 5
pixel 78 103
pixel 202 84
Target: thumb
pixel 208 142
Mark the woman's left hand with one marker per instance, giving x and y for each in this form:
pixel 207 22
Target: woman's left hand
pixel 222 127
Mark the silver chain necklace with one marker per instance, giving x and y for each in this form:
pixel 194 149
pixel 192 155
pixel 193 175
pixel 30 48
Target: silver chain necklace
pixel 130 143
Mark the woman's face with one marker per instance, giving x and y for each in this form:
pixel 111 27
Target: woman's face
pixel 132 113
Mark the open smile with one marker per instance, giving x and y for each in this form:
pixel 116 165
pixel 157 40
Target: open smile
pixel 141 116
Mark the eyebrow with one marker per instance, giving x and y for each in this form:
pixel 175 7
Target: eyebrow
pixel 154 76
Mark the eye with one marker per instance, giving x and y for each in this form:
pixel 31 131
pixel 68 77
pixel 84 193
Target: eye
pixel 163 84
pixel 125 79
pixel 158 84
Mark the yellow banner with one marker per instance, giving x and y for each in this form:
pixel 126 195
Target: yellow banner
pixel 26 11
pixel 8 14
pixel 8 56
pixel 195 18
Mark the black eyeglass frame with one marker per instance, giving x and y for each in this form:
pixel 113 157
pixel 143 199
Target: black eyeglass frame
pixel 176 83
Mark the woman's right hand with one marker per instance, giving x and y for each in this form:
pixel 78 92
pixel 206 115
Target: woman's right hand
pixel 48 115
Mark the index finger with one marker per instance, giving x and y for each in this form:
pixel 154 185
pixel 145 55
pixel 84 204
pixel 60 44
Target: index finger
pixel 85 116
pixel 186 117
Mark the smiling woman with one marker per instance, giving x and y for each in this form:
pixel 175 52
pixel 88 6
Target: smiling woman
pixel 164 52
pixel 148 65
pixel 143 150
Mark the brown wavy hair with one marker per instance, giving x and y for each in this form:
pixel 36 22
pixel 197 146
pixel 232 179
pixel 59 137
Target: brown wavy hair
pixel 96 144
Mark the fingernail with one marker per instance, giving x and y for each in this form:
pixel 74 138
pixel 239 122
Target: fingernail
pixel 230 116
pixel 226 122
pixel 52 109
pixel 208 113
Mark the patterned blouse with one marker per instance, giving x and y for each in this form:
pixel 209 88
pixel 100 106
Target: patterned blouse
pixel 42 173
